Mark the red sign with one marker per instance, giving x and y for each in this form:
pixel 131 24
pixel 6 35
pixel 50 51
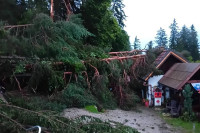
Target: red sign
pixel 158 101
pixel 157 94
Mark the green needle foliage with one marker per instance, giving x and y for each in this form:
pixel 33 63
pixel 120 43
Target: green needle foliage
pixel 51 48
pixel 187 93
pixel 99 20
pixel 13 118
pixel 188 114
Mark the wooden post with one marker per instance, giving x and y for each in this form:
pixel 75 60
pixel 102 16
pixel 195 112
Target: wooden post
pixel 52 10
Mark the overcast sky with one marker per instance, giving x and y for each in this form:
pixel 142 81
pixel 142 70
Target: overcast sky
pixel 145 17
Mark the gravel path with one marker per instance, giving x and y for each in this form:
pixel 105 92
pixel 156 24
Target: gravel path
pixel 145 121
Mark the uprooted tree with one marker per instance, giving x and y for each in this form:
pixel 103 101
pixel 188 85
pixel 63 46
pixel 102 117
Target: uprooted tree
pixel 49 58
pixel 54 51
pixel 53 64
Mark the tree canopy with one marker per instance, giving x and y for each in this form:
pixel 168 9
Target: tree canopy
pixel 136 44
pixel 99 20
pixel 161 38
pixel 173 40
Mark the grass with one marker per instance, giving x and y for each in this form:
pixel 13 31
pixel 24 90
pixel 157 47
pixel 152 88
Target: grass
pixel 186 126
pixel 91 108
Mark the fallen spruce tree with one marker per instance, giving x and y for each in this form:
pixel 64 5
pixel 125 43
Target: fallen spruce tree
pixel 59 71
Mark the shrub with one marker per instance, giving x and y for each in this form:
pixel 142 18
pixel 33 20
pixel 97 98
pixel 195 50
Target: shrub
pixel 188 117
pixel 188 113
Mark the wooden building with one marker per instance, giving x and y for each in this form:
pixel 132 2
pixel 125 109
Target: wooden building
pixel 178 76
pixel 163 62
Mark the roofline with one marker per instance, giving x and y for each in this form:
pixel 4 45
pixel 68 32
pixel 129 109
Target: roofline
pixel 184 61
pixel 181 85
pixel 163 60
pixel 149 76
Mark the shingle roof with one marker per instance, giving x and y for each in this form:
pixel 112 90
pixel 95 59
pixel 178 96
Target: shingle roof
pixel 179 74
pixel 162 58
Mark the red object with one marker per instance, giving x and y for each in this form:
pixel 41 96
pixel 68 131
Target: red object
pixel 157 94
pixel 158 101
pixel 146 103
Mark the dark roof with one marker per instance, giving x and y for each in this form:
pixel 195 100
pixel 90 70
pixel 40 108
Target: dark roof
pixel 163 57
pixel 165 54
pixel 179 74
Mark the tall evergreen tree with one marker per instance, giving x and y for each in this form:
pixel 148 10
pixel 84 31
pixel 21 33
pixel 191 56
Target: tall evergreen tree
pixel 161 38
pixel 193 43
pixel 183 40
pixel 136 44
pixel 8 11
pixel 150 45
pixel 42 6
pixel 187 93
pixel 99 20
pixel 117 8
pixel 121 42
pixel 174 35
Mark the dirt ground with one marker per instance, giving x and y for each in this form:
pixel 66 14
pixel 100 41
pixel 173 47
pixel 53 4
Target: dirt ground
pixel 145 120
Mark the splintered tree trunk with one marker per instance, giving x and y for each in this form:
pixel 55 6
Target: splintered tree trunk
pixel 68 8
pixel 52 10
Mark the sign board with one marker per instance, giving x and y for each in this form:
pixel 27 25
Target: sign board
pixel 157 101
pixel 157 98
pixel 157 94
pixel 196 86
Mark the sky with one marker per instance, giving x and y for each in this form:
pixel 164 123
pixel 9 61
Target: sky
pixel 145 17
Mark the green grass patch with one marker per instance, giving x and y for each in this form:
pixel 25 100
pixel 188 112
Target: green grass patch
pixel 92 108
pixel 186 126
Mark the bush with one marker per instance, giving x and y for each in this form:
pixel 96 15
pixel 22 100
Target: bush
pixel 188 117
pixel 188 114
pixel 187 93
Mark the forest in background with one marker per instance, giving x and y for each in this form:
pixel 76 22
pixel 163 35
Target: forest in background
pixel 184 40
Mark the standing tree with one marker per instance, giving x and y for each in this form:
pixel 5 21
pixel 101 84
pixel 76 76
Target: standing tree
pixel 183 41
pixel 121 43
pixel 193 43
pixel 99 20
pixel 174 35
pixel 150 45
pixel 187 93
pixel 136 44
pixel 117 8
pixel 161 38
pixel 8 11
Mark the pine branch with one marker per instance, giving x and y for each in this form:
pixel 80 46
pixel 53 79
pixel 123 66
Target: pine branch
pixel 13 121
pixel 49 118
